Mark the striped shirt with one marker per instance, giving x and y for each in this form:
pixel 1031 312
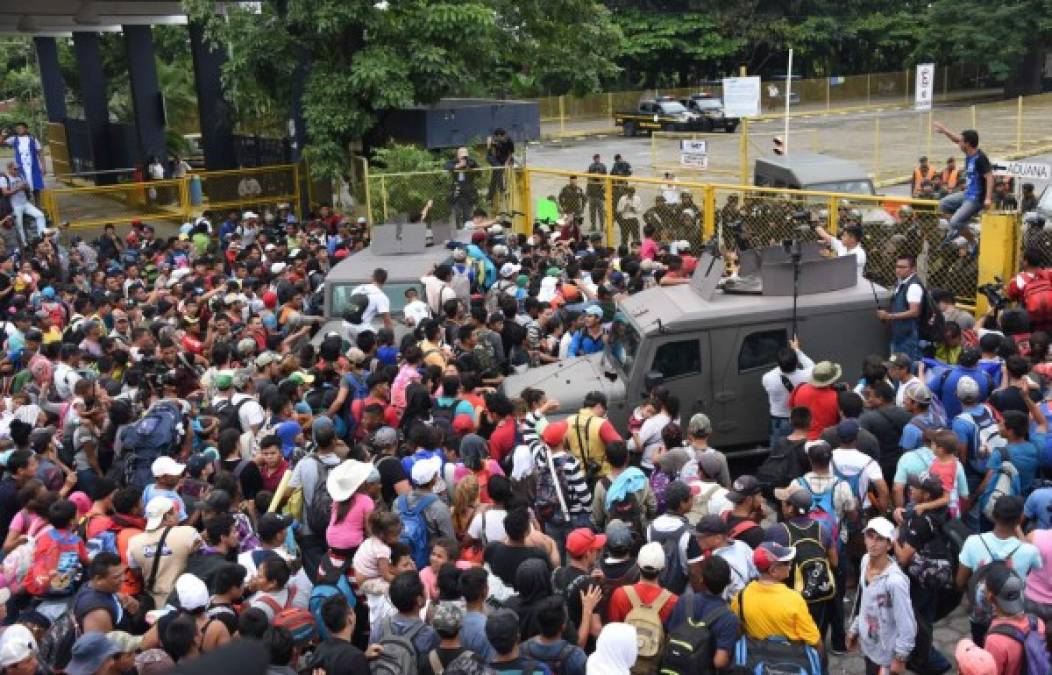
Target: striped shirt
pixel 579 499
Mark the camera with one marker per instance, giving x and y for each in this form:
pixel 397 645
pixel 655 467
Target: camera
pixel 994 297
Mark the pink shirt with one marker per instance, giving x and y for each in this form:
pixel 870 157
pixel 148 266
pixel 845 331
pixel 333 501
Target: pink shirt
pixel 407 375
pixel 350 532
pixel 1039 581
pixel 27 523
pixel 648 250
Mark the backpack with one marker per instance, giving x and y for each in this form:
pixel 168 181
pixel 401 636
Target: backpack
pixel 981 612
pixel 332 580
pixel 442 416
pixel 415 531
pixel 774 655
pixel 555 663
pixel 487 357
pixel 460 282
pixel 931 322
pixel 1006 482
pixel 1035 647
pixel 56 647
pixel 629 511
pixel 158 432
pixel 674 576
pixel 931 566
pixel 478 266
pixel 609 585
pixel 229 414
pixel 318 511
pixel 812 575
pixel 105 541
pixel 700 508
pixel 63 558
pixel 1037 298
pixel 691 646
pixel 399 656
pixel 645 617
pixel 550 499
pixel 494 294
pixel 854 480
pixel 299 622
pixel 354 312
pixel 822 509
pixel 986 436
pixel 16 564
pixel 779 468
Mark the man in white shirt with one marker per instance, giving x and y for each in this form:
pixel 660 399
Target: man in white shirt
pixel 899 372
pixel 794 368
pixel 857 468
pixel 437 289
pixel 713 536
pixel 379 304
pixel 849 243
pixel 17 190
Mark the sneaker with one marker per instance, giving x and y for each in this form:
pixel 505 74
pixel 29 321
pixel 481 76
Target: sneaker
pixel 838 650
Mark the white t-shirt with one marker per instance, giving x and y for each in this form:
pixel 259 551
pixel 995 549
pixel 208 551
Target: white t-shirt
pixel 777 394
pixel 848 462
pixel 738 555
pixel 18 198
pixel 494 525
pixel 417 311
pixel 841 250
pixel 915 293
pixel 378 304
pixel 299 579
pixel 650 436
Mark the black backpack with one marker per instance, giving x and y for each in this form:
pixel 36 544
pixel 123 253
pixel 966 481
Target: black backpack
pixel 779 469
pixel 356 306
pixel 555 664
pixel 442 416
pixel 56 647
pixel 674 577
pixel 931 321
pixel 318 511
pixel 229 414
pixel 691 646
pixel 628 510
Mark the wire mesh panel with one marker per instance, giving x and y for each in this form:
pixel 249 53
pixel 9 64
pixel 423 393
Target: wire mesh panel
pixel 454 196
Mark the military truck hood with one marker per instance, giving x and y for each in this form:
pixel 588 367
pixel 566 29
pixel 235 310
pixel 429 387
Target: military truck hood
pixel 568 381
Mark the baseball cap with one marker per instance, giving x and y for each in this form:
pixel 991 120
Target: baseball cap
pixel 278 268
pixel 270 524
pixel 967 388
pixel 582 540
pixel 425 470
pixel 460 255
pixel 712 524
pixel 554 433
pixel 927 482
pixel 651 556
pixel 618 536
pixel 795 496
pixel 699 425
pixel 899 361
pixel 919 393
pixel 197 462
pixel 744 487
pixel 191 591
pixel 709 464
pixel 768 553
pixel 90 651
pixel 847 430
pixel 385 437
pixel 224 380
pixel 508 270
pixel 595 310
pixel 266 358
pixel 448 618
pixel 973 659
pixel 355 355
pixel 166 466
pixel 16 645
pixel 882 526
pixel 1007 587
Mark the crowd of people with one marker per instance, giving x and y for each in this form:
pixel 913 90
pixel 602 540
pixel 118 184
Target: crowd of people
pixel 194 480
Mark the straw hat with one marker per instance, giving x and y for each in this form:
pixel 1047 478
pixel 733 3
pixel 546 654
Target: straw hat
pixel 826 373
pixel 346 478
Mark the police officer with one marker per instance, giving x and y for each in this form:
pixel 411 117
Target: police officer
pixel 596 209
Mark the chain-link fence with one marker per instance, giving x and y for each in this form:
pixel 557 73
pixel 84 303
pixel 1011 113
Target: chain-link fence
pixel 454 195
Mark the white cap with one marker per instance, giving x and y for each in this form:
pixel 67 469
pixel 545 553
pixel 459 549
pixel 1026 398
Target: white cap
pixel 882 526
pixel 425 470
pixel 250 215
pixel 277 268
pixel 651 556
pixel 156 510
pixel 166 466
pixel 495 229
pixel 509 269
pixel 270 247
pixel 191 591
pixel 16 645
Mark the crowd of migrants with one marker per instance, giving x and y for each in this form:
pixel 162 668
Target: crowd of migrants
pixel 191 485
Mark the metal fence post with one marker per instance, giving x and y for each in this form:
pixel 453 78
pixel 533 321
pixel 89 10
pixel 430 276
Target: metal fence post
pixel 827 91
pixel 708 219
pixel 929 134
pixel 296 191
pixel 383 195
pixel 743 151
pixel 907 92
pixel 562 115
pixel 997 252
pixel 1019 125
pixel 527 200
pixel 876 148
pixel 608 208
pixel 368 191
pixel 867 88
pixel 834 215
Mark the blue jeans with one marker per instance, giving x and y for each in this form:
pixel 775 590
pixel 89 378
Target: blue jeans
pixel 780 428
pixel 962 208
pixel 908 344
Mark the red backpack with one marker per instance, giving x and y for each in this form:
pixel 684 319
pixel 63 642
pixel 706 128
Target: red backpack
pixel 1037 298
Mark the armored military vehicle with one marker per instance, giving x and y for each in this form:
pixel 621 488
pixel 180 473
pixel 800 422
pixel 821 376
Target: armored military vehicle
pixel 711 341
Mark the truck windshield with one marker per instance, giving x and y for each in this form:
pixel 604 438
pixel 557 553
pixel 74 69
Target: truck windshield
pixel 708 103
pixel 853 187
pixel 673 108
pixel 624 342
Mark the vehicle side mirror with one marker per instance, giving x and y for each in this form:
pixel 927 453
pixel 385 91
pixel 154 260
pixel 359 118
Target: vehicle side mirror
pixel 652 379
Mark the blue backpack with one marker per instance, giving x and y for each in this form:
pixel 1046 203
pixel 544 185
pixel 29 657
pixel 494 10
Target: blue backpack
pixel 854 480
pixel 415 533
pixel 822 509
pixel 105 541
pixel 358 391
pixel 1035 648
pixel 332 580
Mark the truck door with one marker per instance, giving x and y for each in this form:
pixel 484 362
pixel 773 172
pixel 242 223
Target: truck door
pixel 739 409
pixel 682 363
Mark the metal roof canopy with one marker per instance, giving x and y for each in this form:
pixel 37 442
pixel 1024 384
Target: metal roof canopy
pixel 64 17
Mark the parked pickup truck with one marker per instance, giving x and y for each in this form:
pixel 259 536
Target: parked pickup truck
pixel 710 112
pixel 657 115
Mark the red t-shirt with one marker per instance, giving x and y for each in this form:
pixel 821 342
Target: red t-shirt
pixel 391 416
pixel 821 401
pixel 502 440
pixel 620 605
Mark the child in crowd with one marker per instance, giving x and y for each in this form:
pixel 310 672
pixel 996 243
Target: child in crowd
pixel 442 551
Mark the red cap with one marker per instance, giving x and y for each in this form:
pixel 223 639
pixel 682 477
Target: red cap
pixel 463 424
pixel 582 540
pixel 191 345
pixel 340 254
pixel 270 299
pixel 478 237
pixel 554 433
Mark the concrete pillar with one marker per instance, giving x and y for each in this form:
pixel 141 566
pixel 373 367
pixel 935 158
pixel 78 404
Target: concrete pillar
pixel 217 120
pixel 51 79
pixel 94 97
pixel 298 126
pixel 145 93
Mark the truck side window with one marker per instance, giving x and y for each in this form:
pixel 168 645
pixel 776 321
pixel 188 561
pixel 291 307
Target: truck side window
pixel 675 359
pixel 760 349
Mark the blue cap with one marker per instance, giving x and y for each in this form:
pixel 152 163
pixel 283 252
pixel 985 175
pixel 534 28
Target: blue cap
pixel 302 408
pixel 321 422
pixel 90 651
pixel 48 292
pixel 847 430
pixel 595 310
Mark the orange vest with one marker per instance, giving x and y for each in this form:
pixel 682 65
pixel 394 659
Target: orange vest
pixel 949 178
pixel 919 177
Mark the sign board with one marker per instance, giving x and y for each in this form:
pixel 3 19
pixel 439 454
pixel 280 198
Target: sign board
pixel 741 96
pixel 694 153
pixel 1024 170
pixel 925 86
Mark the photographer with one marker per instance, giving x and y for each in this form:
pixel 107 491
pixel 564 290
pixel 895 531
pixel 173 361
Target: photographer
pixel 500 151
pixel 464 194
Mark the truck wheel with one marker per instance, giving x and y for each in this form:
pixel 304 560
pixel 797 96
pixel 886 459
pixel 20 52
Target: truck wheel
pixel 706 126
pixel 731 127
pixel 629 129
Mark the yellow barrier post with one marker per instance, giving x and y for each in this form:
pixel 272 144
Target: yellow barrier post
pixel 867 88
pixel 743 151
pixel 973 116
pixel 296 191
pixel 827 92
pixel 1019 125
pixel 834 215
pixel 383 195
pixel 526 198
pixel 708 216
pixel 562 115
pixel 930 122
pixel 368 191
pixel 876 148
pixel 184 198
pixel 907 92
pixel 997 251
pixel 609 104
pixel 608 209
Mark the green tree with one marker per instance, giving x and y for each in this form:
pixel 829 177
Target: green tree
pixel 356 59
